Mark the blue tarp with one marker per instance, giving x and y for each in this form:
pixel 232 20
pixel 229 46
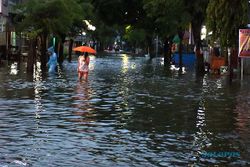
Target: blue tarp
pixel 188 59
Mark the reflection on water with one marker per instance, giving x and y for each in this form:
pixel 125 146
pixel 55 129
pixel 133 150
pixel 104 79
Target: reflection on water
pixel 242 119
pixel 37 79
pixel 82 100
pixel 201 139
pixel 130 112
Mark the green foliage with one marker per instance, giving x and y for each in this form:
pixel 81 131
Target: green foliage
pixel 118 11
pixel 103 10
pixel 116 15
pixel 224 18
pixel 134 35
pixel 196 9
pixel 109 23
pixel 84 13
pixel 48 16
pixel 168 15
pixel 104 33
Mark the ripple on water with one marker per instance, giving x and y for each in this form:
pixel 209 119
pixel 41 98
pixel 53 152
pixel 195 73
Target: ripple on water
pixel 128 113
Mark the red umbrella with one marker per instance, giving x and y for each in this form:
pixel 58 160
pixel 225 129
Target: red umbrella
pixel 84 49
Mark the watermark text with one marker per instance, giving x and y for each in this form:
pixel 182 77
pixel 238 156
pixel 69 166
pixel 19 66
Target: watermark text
pixel 220 154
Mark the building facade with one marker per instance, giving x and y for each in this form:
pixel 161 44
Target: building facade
pixel 3 21
pixel 7 33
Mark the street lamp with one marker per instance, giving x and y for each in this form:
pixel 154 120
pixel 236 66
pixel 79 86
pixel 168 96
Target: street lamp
pixel 90 26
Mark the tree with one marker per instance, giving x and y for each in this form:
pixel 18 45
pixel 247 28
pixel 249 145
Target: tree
pixel 224 18
pixel 170 18
pixel 104 34
pixel 135 36
pixel 45 17
pixel 115 22
pixel 197 11
pixel 124 13
pixel 78 25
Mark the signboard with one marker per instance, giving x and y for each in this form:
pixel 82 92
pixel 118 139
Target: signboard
pixel 244 43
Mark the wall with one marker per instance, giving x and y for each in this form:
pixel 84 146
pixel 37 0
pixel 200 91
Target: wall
pixel 4 8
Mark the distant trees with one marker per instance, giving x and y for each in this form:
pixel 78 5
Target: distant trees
pixel 114 22
pixel 138 22
pixel 170 18
pixel 135 36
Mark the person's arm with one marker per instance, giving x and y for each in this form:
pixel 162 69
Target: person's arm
pixel 49 62
pixel 78 64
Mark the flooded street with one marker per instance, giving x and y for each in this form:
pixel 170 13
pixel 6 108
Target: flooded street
pixel 131 112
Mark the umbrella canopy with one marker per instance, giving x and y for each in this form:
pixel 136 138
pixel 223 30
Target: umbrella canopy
pixel 84 49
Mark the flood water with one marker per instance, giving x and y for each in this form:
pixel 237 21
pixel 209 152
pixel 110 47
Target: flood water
pixel 131 112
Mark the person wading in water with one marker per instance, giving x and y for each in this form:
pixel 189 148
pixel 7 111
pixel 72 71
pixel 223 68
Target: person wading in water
pixel 83 66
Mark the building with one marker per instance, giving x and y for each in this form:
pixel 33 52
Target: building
pixel 7 33
pixel 3 21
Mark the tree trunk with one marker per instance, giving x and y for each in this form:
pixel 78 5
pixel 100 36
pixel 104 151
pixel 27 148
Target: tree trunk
pixel 70 50
pixel 181 34
pixel 200 67
pixel 101 46
pixel 150 51
pixel 230 64
pixel 180 56
pixel 56 46
pixel 7 41
pixel 167 52
pixel 61 48
pixel 31 56
pixel 43 56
